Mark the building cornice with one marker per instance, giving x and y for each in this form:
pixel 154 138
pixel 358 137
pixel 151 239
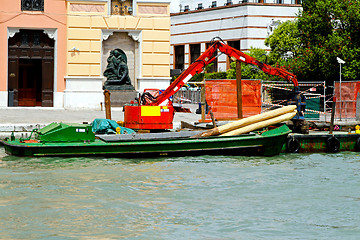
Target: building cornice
pixel 82 1
pixel 232 17
pixel 154 1
pixel 235 5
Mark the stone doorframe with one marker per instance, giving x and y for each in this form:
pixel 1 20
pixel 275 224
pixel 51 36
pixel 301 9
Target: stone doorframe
pixel 52 34
pixel 136 35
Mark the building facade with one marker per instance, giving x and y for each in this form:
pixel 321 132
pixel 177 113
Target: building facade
pixel 33 56
pixel 57 50
pixel 242 25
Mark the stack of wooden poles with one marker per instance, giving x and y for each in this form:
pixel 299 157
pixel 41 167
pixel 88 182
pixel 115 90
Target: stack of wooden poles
pixel 252 123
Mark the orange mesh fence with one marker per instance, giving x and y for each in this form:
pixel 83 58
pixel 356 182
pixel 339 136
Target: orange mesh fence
pixel 221 96
pixel 346 104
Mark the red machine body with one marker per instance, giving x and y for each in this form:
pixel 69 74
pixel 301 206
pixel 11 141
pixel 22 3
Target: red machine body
pixel 149 117
pixel 133 117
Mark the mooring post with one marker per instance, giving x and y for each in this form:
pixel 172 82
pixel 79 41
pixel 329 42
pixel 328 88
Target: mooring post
pixel 357 116
pixel 203 101
pixel 212 118
pixel 333 107
pixel 107 104
pixel 239 89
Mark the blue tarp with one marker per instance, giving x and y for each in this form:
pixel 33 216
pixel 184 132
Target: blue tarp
pixel 106 126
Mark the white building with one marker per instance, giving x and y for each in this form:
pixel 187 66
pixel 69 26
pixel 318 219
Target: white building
pixel 242 25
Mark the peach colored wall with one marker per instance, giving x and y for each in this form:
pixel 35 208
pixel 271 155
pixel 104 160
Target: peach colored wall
pixel 53 17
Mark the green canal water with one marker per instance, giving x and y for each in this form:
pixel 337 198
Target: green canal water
pixel 291 196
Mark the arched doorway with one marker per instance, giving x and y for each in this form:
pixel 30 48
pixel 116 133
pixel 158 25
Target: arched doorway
pixel 30 69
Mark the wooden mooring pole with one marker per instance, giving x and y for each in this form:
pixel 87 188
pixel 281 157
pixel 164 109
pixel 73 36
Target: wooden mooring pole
pixel 203 101
pixel 239 89
pixel 333 107
pixel 107 104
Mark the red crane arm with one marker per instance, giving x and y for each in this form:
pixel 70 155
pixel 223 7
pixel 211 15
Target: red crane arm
pixel 194 68
pixel 232 52
pixel 207 57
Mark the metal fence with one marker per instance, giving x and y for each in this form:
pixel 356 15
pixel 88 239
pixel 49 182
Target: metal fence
pixel 191 95
pixel 318 104
pixel 347 95
pixel 276 93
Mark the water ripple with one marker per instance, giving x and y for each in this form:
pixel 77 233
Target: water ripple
pixel 290 196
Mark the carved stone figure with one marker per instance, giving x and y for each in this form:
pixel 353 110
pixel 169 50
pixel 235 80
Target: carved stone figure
pixel 117 71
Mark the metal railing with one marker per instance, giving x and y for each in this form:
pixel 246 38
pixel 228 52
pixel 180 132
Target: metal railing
pixel 192 95
pixel 318 103
pixel 276 93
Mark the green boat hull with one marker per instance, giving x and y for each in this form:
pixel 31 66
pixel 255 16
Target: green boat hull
pixel 268 144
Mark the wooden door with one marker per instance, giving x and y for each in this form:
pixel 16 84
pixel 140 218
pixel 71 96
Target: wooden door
pixel 30 78
pixel 47 82
pixel 13 81
pixel 31 69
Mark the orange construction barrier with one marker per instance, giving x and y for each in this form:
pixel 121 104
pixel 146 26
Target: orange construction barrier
pixel 346 104
pixel 221 96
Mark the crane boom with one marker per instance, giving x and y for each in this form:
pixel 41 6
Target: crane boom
pixel 206 58
pixel 156 112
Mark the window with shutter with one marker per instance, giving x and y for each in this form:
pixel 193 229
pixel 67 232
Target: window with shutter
pixel 32 5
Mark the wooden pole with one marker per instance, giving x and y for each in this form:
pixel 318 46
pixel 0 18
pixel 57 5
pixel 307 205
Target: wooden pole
pixel 357 115
pixel 203 102
pixel 262 124
pixel 333 107
pixel 247 121
pixel 107 104
pixel 239 89
pixel 213 118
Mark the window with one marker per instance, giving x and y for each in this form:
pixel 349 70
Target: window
pixel 214 67
pixel 233 44
pixel 32 5
pixel 179 57
pixel 228 2
pixel 120 7
pixel 195 51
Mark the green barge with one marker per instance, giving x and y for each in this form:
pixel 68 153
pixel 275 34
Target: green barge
pixel 59 139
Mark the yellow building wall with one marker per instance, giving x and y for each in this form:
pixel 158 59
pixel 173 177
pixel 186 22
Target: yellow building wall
pixel 86 20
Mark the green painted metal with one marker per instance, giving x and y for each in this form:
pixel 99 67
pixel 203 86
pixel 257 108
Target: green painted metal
pixel 319 142
pixel 312 104
pixel 65 132
pixel 268 144
pixel 49 128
